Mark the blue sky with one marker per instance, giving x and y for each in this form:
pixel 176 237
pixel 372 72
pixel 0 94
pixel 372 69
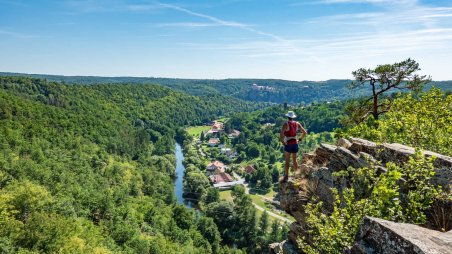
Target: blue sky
pixel 287 39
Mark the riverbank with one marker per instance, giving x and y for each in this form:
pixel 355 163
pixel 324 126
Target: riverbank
pixel 179 181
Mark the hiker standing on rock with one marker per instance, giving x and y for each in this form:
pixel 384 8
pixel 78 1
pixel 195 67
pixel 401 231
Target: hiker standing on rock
pixel 288 137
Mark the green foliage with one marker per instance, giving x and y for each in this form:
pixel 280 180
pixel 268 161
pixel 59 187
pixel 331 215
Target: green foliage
pixel 424 122
pixel 382 80
pixel 87 169
pixel 401 193
pixel 321 117
pixel 195 184
pixel 209 230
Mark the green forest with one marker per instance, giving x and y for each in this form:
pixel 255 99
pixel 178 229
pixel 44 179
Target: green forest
pixel 87 163
pixel 271 91
pixel 88 169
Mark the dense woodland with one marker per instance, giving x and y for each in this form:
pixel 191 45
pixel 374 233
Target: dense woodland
pixel 293 92
pixel 87 168
pixel 237 221
pixel 423 121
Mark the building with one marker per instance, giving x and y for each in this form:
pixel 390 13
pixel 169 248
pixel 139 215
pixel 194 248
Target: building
pixel 215 167
pixel 221 178
pixel 265 88
pixel 218 126
pixel 214 141
pixel 234 134
pixel 212 131
pixel 229 152
pixel 249 169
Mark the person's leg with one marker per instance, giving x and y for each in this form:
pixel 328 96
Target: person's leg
pixel 286 166
pixel 295 164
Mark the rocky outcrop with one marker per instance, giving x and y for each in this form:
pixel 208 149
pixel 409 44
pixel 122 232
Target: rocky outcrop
pixel 381 237
pixel 284 247
pixel 315 175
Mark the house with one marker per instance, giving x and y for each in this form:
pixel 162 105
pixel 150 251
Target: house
pixel 218 126
pixel 216 167
pixel 221 178
pixel 234 134
pixel 214 141
pixel 229 152
pixel 249 169
pixel 225 150
pixel 265 88
pixel 212 131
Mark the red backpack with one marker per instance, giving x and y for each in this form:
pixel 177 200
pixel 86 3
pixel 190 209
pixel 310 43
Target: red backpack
pixel 293 128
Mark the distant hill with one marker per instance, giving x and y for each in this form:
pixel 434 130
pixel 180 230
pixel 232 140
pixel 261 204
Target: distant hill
pixel 259 90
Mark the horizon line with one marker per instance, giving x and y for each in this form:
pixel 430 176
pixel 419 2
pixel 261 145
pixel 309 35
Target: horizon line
pixel 182 78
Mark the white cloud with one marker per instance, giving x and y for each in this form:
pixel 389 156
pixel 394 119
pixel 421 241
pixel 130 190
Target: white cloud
pixel 17 35
pixel 187 24
pixel 391 2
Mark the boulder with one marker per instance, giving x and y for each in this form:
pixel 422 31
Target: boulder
pixel 315 177
pixel 362 145
pixel 293 196
pixel 400 154
pixel 323 154
pixel 284 247
pixel 342 142
pixel 379 236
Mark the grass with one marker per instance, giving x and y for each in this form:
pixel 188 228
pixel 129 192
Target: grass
pixel 223 119
pixel 258 201
pixel 195 131
pixel 226 195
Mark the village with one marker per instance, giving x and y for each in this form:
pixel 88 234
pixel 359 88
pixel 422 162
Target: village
pixel 213 143
pixel 220 175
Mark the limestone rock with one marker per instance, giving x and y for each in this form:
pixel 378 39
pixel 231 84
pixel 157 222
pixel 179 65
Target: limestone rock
pixel 342 142
pixel 284 247
pixel 380 236
pixel 400 154
pixel 362 145
pixel 315 175
pixel 292 198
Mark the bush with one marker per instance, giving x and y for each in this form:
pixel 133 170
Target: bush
pixel 401 194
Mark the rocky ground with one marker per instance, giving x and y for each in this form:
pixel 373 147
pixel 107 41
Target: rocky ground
pixel 315 177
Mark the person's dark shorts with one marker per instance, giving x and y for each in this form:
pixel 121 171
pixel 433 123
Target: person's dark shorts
pixel 292 148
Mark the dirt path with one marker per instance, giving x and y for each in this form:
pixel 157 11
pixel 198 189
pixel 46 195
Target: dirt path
pixel 279 217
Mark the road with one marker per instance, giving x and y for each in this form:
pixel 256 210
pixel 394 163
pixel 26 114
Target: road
pixel 247 191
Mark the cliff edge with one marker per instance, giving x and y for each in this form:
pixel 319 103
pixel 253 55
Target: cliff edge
pixel 315 176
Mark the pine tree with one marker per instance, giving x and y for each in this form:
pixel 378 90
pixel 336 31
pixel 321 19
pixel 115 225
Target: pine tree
pixel 263 224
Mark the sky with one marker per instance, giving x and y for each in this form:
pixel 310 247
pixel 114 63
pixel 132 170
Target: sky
pixel 282 39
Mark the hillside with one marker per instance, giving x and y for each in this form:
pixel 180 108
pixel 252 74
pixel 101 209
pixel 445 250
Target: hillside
pixel 264 90
pixel 88 169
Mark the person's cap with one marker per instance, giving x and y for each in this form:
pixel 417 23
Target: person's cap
pixel 291 114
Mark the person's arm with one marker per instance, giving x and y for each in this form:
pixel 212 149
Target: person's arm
pixel 281 135
pixel 303 132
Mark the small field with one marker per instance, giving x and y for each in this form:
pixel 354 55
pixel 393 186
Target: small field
pixel 226 195
pixel 195 131
pixel 258 200
pixel 223 119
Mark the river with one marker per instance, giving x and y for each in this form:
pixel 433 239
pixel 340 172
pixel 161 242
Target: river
pixel 179 182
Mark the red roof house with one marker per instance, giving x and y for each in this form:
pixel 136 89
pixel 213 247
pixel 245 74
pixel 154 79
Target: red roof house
pixel 221 178
pixel 249 169
pixel 214 141
pixel 216 166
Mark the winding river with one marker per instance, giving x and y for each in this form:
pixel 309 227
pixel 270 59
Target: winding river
pixel 179 182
